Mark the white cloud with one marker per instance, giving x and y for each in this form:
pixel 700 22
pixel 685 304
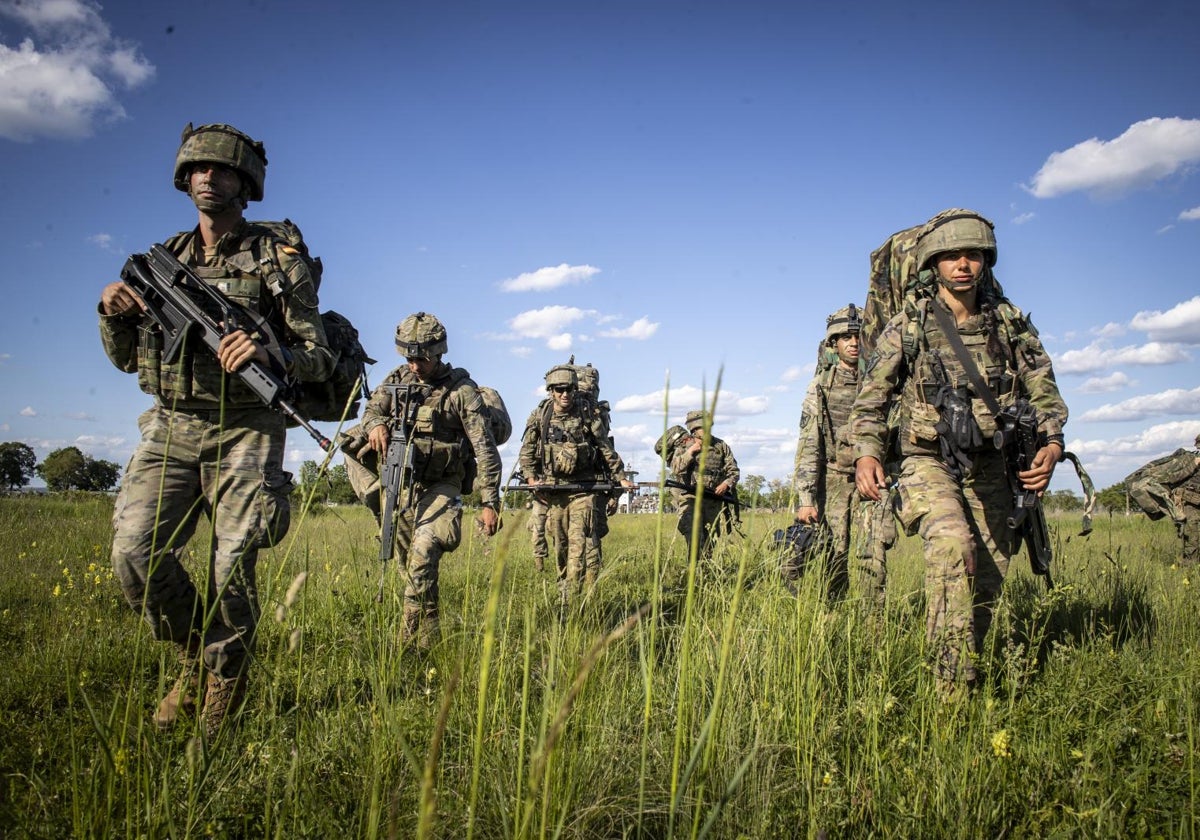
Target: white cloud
pixel 1147 152
pixel 688 397
pixel 1190 215
pixel 1115 381
pixel 1023 218
pixel 66 84
pixel 1109 330
pixel 91 443
pixel 639 330
pixel 1131 451
pixel 4 357
pixel 103 241
pixel 561 341
pixel 522 352
pixel 1171 401
pixel 80 415
pixel 547 322
pixel 28 411
pixel 1179 323
pixel 1095 357
pixel 1165 229
pixel 549 277
pixel 792 374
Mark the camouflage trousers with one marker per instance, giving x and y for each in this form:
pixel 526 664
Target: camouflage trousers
pixel 835 501
pixel 537 532
pixel 716 519
pixel 1189 534
pixel 876 535
pixel 967 551
pixel 571 525
pixel 231 470
pixel 430 527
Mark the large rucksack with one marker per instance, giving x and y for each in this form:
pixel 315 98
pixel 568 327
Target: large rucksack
pixel 336 398
pixel 1150 485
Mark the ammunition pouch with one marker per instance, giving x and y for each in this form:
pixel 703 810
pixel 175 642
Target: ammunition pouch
pixel 958 431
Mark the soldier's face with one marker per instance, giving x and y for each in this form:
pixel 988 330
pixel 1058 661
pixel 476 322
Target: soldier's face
pixel 847 349
pixel 562 396
pixel 421 368
pixel 958 270
pixel 215 187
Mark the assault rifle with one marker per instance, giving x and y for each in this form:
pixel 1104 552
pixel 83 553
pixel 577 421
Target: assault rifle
pixel 568 487
pixel 180 303
pixel 396 473
pixel 1017 437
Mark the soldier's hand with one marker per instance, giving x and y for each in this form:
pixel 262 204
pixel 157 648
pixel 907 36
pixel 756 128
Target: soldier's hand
pixel 869 477
pixel 488 520
pixel 118 299
pixel 238 349
pixel 1037 477
pixel 627 484
pixel 722 488
pixel 377 438
pixel 806 514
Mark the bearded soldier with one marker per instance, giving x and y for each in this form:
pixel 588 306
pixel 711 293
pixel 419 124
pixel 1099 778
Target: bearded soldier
pixel 566 445
pixel 1170 486
pixel 824 472
pixel 449 420
pixel 208 443
pixel 953 487
pixel 719 478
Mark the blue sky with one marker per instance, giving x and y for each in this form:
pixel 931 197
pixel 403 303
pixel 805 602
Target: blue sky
pixel 673 191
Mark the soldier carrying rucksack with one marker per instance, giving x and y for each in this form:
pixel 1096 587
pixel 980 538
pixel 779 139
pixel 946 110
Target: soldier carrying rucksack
pixel 1170 486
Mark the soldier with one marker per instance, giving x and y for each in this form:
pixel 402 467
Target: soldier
pixel 953 488
pixel 451 412
pixel 719 478
pixel 208 443
pixel 567 443
pixel 1170 486
pixel 537 532
pixel 824 472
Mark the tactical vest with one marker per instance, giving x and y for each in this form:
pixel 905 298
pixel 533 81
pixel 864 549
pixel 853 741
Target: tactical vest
pixel 441 446
pixel 837 389
pixel 927 353
pixel 195 377
pixel 569 450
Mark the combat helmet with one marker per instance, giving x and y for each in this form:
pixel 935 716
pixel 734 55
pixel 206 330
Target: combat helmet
pixel 224 144
pixel 695 420
pixel 665 445
pixel 956 230
pixel 421 336
pixel 848 319
pixel 561 375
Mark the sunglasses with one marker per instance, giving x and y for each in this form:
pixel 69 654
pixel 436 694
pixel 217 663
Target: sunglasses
pixel 562 389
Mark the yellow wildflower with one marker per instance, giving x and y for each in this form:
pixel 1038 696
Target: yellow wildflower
pixel 1001 744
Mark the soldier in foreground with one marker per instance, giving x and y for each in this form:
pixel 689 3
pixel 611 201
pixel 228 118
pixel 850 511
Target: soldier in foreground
pixel 719 478
pixel 448 412
pixel 1170 486
pixel 208 443
pixel 953 486
pixel 824 472
pixel 566 449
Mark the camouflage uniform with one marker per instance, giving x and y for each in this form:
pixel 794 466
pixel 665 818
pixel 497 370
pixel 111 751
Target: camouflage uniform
pixel 1170 486
pixel 720 467
pixel 537 531
pixel 209 445
pixel 824 472
pixel 570 448
pixel 962 522
pixel 430 525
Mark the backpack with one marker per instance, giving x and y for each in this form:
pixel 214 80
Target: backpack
pixel 1147 483
pixel 336 398
pixel 493 407
pixel 497 412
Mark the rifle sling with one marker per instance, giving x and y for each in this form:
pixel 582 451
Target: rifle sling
pixel 978 383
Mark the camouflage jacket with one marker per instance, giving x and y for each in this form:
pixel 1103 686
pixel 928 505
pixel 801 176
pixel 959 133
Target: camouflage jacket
pixel 823 431
pixel 904 365
pixel 451 418
pixel 719 466
pixel 569 447
pixel 245 257
pixel 1167 485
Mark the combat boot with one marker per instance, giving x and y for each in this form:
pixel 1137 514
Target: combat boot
pixel 182 698
pixel 430 630
pixel 223 699
pixel 410 624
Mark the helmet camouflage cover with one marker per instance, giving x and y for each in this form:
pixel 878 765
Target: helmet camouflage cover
pixel 695 420
pixel 956 230
pixel 561 375
pixel 421 336
pixel 848 319
pixel 224 144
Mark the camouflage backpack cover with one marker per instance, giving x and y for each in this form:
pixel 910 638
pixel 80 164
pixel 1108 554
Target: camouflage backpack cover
pixel 1151 484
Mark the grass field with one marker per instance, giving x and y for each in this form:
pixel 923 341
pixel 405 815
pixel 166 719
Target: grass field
pixel 723 708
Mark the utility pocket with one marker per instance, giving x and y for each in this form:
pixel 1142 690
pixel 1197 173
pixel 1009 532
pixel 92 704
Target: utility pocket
pixel 275 507
pixel 922 423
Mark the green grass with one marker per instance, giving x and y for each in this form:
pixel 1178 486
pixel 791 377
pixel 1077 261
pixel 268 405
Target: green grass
pixel 715 705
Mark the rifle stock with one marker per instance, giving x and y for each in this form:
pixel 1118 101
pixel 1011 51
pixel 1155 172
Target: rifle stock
pixel 170 290
pixel 727 498
pixel 1017 437
pixel 396 472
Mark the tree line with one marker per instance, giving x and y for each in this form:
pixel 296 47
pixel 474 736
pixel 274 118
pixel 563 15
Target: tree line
pixel 67 468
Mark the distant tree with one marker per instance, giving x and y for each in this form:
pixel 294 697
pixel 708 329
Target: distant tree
pixel 1063 500
pixel 753 485
pixel 70 469
pixel 18 464
pixel 100 475
pixel 63 469
pixel 1114 498
pixel 331 486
